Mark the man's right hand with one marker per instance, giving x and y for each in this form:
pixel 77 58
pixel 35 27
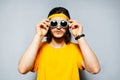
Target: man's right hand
pixel 42 27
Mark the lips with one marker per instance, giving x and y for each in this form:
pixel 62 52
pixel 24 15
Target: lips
pixel 58 32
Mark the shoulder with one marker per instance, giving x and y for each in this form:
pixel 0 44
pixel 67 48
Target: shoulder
pixel 44 43
pixel 72 44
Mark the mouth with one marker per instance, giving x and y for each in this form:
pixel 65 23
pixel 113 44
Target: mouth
pixel 58 32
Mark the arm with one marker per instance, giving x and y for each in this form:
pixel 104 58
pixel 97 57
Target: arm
pixel 27 60
pixel 90 61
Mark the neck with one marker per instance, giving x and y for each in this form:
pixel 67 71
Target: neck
pixel 57 43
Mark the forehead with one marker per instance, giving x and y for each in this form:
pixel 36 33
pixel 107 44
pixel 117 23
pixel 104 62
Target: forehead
pixel 58 18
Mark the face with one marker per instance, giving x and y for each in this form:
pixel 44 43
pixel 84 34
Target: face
pixel 58 27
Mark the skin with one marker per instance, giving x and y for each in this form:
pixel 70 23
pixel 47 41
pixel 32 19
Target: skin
pixel 90 62
pixel 58 33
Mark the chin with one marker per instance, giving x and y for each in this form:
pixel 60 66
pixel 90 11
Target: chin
pixel 58 36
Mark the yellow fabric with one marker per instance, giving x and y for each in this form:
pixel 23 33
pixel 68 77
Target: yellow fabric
pixel 58 63
pixel 58 15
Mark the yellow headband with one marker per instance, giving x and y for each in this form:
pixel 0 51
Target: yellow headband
pixel 58 15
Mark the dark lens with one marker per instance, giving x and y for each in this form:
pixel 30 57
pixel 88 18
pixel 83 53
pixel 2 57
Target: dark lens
pixel 53 23
pixel 63 23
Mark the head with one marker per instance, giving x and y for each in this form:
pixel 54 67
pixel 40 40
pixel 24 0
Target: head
pixel 59 32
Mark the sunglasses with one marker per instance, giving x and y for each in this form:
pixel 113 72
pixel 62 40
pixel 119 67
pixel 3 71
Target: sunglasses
pixel 62 23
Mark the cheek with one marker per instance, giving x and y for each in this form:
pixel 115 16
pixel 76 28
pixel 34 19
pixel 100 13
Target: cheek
pixel 64 30
pixel 52 30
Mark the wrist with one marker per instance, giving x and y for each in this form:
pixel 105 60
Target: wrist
pixel 38 37
pixel 79 36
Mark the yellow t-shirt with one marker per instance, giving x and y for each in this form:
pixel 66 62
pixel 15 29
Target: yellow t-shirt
pixel 58 63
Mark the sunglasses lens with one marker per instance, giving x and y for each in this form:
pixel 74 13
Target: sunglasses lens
pixel 53 23
pixel 63 23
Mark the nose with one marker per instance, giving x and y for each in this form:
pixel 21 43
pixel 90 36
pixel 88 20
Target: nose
pixel 58 27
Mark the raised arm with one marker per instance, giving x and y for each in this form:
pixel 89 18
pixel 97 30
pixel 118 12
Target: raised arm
pixel 90 61
pixel 27 60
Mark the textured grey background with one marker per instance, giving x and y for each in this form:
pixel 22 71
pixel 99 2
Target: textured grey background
pixel 100 18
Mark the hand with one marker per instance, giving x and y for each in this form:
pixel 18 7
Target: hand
pixel 42 27
pixel 75 28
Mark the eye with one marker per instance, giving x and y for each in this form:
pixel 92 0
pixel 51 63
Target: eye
pixel 64 23
pixel 53 23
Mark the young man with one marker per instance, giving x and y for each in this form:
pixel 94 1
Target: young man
pixel 58 58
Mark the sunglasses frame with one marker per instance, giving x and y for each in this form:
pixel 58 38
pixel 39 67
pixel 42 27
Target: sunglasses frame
pixel 59 23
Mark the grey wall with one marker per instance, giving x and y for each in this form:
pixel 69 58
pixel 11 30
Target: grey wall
pixel 100 18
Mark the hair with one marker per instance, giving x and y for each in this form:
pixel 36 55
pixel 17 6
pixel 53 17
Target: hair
pixel 58 10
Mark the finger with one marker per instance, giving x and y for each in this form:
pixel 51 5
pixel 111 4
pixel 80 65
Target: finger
pixel 71 26
pixel 42 23
pixel 71 21
pixel 43 26
pixel 46 22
